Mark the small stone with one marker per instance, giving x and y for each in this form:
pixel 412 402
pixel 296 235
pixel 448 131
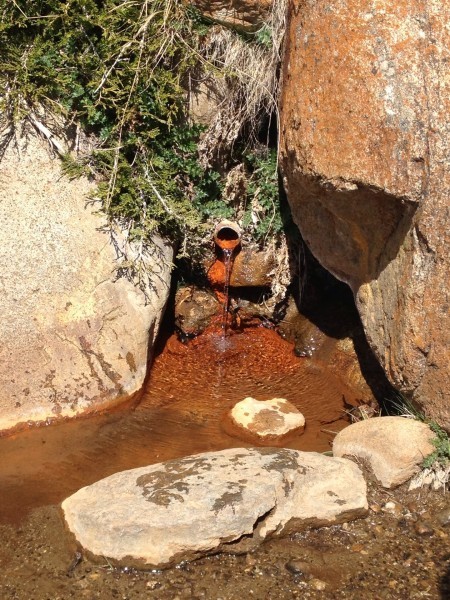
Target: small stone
pixel 375 507
pixel 153 585
pixel 299 568
pixel 268 419
pixel 443 517
pixel 357 548
pixel 250 560
pixel 391 507
pixel 423 528
pixel 393 584
pixel 394 447
pixel 194 310
pixel 317 584
pixel 407 563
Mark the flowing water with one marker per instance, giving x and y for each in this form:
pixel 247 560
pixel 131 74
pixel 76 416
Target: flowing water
pixel 228 261
pixel 191 388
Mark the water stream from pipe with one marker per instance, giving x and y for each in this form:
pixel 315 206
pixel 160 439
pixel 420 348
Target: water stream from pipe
pixel 228 259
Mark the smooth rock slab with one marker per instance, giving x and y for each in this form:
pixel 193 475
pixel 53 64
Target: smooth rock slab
pixel 189 507
pixel 394 447
pixel 266 419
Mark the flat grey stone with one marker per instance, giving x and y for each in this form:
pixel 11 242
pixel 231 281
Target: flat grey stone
pixel 229 500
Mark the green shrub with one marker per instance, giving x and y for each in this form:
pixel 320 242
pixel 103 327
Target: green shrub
pixel 441 442
pixel 262 215
pixel 119 70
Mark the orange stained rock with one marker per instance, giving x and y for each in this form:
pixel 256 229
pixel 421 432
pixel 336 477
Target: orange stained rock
pixel 216 277
pixel 217 274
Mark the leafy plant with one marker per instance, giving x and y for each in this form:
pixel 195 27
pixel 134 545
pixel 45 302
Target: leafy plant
pixel 441 442
pixel 262 216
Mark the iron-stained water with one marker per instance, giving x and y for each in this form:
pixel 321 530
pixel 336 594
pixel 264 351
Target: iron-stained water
pixel 191 388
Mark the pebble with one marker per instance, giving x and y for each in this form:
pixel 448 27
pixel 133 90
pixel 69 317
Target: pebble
pixel 423 528
pixel 443 516
pixel 250 560
pixel 376 508
pixel 392 507
pixel 379 530
pixel 357 548
pixel 317 584
pixel 299 568
pixel 407 563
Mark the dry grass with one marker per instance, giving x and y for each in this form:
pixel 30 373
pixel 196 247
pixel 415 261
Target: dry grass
pixel 243 78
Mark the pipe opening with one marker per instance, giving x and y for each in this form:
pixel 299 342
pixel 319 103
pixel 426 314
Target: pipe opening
pixel 227 235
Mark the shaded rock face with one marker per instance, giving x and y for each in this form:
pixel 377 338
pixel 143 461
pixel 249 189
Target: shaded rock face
pixel 229 500
pixel 247 15
pixel 364 150
pixel 393 447
pixel 73 340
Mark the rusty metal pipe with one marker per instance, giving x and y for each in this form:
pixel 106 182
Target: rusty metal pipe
pixel 227 235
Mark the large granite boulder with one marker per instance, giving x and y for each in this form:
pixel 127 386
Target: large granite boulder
pixel 229 500
pixel 73 339
pixel 364 153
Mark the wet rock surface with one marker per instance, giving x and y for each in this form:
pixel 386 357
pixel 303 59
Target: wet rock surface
pixel 266 420
pixel 381 553
pixel 229 500
pixel 253 268
pixel 194 310
pixel 393 447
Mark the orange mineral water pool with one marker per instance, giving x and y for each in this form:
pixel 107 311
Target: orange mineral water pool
pixel 190 389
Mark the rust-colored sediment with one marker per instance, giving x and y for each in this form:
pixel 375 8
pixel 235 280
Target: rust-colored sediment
pixel 191 387
pixel 217 274
pixel 228 244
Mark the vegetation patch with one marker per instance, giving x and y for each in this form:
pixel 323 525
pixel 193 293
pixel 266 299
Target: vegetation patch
pixel 117 76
